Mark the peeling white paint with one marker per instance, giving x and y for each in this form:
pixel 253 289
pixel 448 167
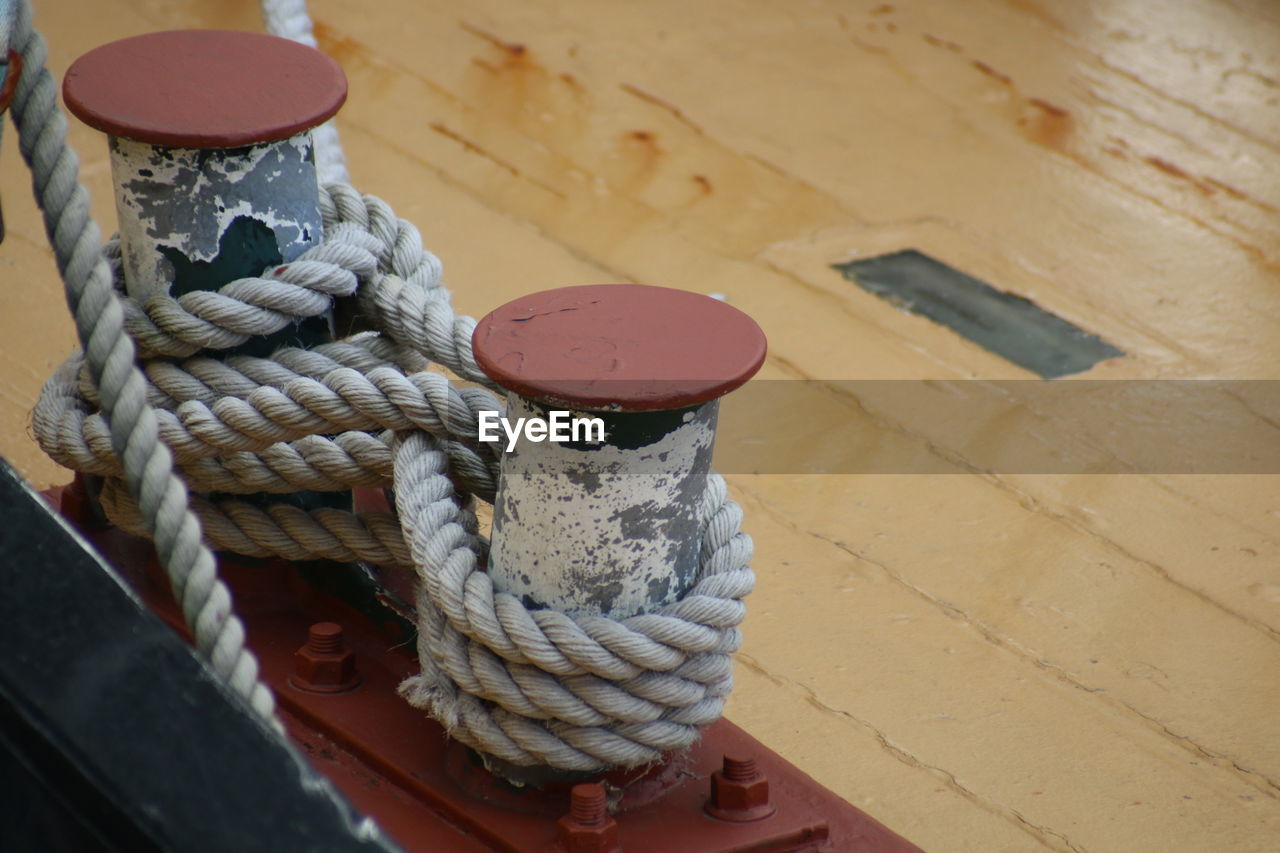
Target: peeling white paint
pixel 186 198
pixel 608 531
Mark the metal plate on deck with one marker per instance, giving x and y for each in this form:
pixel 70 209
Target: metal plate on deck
pixel 1007 324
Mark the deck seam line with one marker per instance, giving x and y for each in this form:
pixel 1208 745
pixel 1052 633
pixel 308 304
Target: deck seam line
pixel 1255 779
pixel 1042 834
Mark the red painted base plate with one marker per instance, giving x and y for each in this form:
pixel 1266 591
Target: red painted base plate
pixel 428 793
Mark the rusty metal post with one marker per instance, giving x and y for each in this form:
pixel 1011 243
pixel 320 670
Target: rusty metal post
pixel 609 527
pixel 211 156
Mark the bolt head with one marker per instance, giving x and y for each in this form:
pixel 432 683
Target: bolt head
pixel 579 838
pixel 324 672
pixel 739 801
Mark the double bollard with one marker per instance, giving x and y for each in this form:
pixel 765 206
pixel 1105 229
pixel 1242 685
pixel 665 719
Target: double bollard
pixel 612 389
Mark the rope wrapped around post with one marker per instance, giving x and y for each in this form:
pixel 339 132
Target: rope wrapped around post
pixel 530 686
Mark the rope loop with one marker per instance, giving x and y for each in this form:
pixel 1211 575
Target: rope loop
pixel 530 686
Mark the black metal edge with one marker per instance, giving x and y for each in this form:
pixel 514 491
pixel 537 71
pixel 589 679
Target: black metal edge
pixel 104 703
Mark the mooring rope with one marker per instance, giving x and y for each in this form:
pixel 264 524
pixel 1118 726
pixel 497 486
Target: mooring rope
pixel 132 430
pixel 531 686
pixel 527 685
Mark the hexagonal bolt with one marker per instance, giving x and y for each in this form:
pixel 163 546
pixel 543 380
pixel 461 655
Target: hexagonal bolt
pixel 588 828
pixel 325 664
pixel 739 792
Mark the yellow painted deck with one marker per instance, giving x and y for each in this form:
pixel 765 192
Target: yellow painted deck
pixel 984 663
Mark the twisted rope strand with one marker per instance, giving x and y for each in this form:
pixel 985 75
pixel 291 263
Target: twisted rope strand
pixel 109 359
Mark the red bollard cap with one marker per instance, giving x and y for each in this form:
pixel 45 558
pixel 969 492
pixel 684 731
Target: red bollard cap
pixel 204 88
pixel 628 347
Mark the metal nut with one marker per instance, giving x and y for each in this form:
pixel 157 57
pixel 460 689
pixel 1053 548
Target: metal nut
pixel 325 664
pixel 739 792
pixel 588 828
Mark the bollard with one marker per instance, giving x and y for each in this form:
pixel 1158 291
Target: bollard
pixel 211 157
pixel 611 527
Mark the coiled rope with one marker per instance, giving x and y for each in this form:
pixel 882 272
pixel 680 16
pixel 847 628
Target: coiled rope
pixel 530 686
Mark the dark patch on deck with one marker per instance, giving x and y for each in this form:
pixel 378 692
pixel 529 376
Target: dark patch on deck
pixel 1006 324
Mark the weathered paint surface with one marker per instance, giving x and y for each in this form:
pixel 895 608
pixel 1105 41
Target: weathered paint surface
pixel 607 529
pixel 244 208
pixel 211 155
pixel 613 528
